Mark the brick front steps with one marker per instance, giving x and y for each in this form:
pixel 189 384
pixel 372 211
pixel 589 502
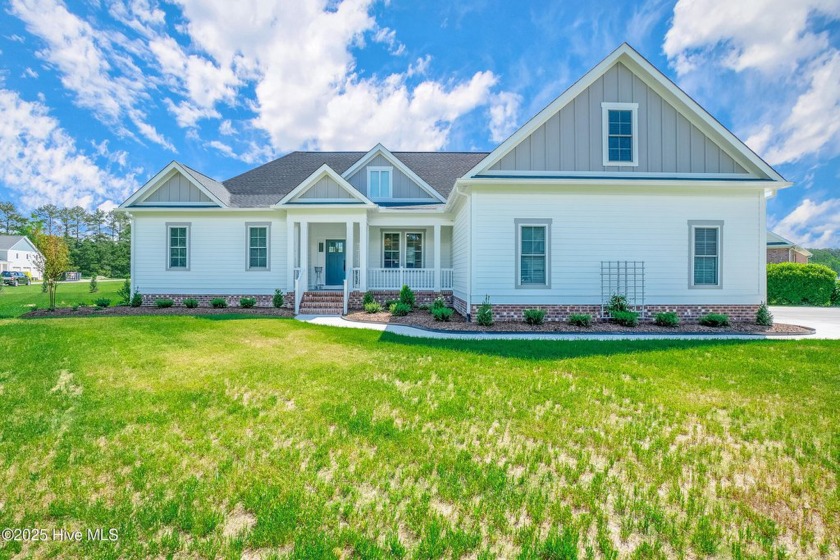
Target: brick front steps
pixel 322 303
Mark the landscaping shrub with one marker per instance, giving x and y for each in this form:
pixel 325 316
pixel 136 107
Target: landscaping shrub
pixel 580 319
pixel 835 295
pixel 439 303
pixel 763 316
pixel 247 302
pixel 368 298
pixel 534 316
pixel 625 318
pixel 372 307
pixel 484 316
pixel 441 313
pixel 94 285
pixel 163 303
pixel 667 319
pixel 400 309
pixel 125 292
pixel 407 296
pixel 277 300
pixel 218 303
pixel 102 302
pixel 136 300
pixel 715 320
pixel 618 302
pixel 390 302
pixel 800 284
pixel 190 303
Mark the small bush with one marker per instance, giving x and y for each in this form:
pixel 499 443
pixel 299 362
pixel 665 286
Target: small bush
pixel 667 319
pixel 439 303
pixel 484 316
pixel 368 298
pixel 163 303
pixel 618 302
pixel 763 316
pixel 580 319
pixel 441 314
pixel 372 307
pixel 75 307
pixel 94 285
pixel 407 296
pixel 277 300
pixel 125 292
pixel 625 318
pixel 247 302
pixel 190 303
pixel 136 300
pixel 534 316
pixel 390 302
pixel 44 287
pixel 218 303
pixel 102 302
pixel 800 284
pixel 400 309
pixel 715 320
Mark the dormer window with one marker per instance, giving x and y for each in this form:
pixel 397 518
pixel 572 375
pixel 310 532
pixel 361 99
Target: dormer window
pixel 621 140
pixel 380 182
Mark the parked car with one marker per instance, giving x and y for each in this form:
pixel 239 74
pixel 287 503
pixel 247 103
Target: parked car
pixel 13 278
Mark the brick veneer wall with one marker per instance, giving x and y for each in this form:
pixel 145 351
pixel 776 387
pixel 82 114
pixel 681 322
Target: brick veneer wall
pixel 424 297
pixel 688 313
pixel 775 256
pixel 232 301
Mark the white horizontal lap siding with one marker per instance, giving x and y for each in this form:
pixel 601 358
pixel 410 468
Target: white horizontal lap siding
pixel 588 228
pixel 217 249
pixel 461 250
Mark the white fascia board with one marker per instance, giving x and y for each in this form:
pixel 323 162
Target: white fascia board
pixel 757 184
pixel 323 171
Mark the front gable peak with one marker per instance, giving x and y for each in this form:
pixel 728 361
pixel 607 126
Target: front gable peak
pixel 324 186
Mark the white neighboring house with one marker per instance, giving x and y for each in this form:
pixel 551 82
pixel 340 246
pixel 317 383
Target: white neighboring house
pixel 17 253
pixel 622 185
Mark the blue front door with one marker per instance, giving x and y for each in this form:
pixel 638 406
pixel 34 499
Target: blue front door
pixel 334 275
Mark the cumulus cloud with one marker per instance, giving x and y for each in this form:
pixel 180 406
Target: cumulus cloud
pixel 42 164
pixel 812 224
pixel 504 115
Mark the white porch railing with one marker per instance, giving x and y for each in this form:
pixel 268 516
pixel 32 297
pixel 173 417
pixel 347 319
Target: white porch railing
pixel 356 279
pixel 415 278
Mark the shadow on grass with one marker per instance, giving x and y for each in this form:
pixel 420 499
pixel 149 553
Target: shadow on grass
pixel 211 316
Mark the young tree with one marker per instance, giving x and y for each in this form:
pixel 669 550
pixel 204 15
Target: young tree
pixel 54 262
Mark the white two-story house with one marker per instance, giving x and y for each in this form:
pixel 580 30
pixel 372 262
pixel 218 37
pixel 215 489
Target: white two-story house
pixel 622 185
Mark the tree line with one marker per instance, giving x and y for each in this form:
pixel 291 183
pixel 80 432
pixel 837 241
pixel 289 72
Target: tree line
pixel 98 242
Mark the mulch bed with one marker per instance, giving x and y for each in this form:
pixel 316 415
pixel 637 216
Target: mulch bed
pixel 124 310
pixel 423 319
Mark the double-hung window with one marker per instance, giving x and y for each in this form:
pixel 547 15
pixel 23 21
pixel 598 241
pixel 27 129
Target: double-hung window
pixel 533 262
pixel 414 250
pixel 178 246
pixel 705 239
pixel 380 182
pixel 620 129
pixel 257 238
pixel 390 250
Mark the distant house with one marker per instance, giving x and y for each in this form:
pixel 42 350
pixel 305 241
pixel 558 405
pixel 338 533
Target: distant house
pixel 781 250
pixel 17 253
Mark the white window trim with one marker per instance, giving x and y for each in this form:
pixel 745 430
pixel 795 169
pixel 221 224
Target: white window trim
pixel 378 168
pixel 399 248
pixel 705 224
pixel 404 252
pixel 605 132
pixel 169 226
pixel 267 226
pixel 546 223
pixel 403 246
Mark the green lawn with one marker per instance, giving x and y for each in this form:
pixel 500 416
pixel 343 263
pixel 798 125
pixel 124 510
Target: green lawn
pixel 218 437
pixel 17 301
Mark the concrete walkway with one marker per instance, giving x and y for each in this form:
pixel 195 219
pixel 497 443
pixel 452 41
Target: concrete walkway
pixel 826 320
pixel 404 330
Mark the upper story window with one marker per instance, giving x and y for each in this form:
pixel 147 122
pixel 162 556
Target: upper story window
pixel 178 246
pixel 380 182
pixel 621 140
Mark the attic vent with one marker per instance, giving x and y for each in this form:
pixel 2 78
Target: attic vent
pixel 626 278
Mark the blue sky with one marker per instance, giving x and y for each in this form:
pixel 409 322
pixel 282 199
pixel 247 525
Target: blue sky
pixel 97 96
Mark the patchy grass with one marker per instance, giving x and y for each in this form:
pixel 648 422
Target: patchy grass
pixel 14 302
pixel 220 437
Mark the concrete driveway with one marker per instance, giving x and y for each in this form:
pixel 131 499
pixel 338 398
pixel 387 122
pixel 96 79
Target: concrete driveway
pixel 826 320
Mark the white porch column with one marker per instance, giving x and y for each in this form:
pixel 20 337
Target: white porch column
pixel 290 254
pixel 304 255
pixel 438 271
pixel 349 253
pixel 364 240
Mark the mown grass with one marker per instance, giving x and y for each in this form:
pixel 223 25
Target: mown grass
pixel 15 301
pixel 223 437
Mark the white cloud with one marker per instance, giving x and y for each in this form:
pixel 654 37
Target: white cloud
pixel 41 163
pixel 29 73
pixel 226 128
pixel 812 224
pixel 388 37
pixel 222 147
pixel 504 115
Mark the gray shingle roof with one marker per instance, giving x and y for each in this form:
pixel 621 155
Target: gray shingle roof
pixel 267 184
pixel 9 241
pixel 212 185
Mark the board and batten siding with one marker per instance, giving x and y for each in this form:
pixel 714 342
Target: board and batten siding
pixel 403 186
pixel 177 189
pixel 572 139
pixel 217 249
pixel 461 250
pixel 607 225
pixel 327 188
